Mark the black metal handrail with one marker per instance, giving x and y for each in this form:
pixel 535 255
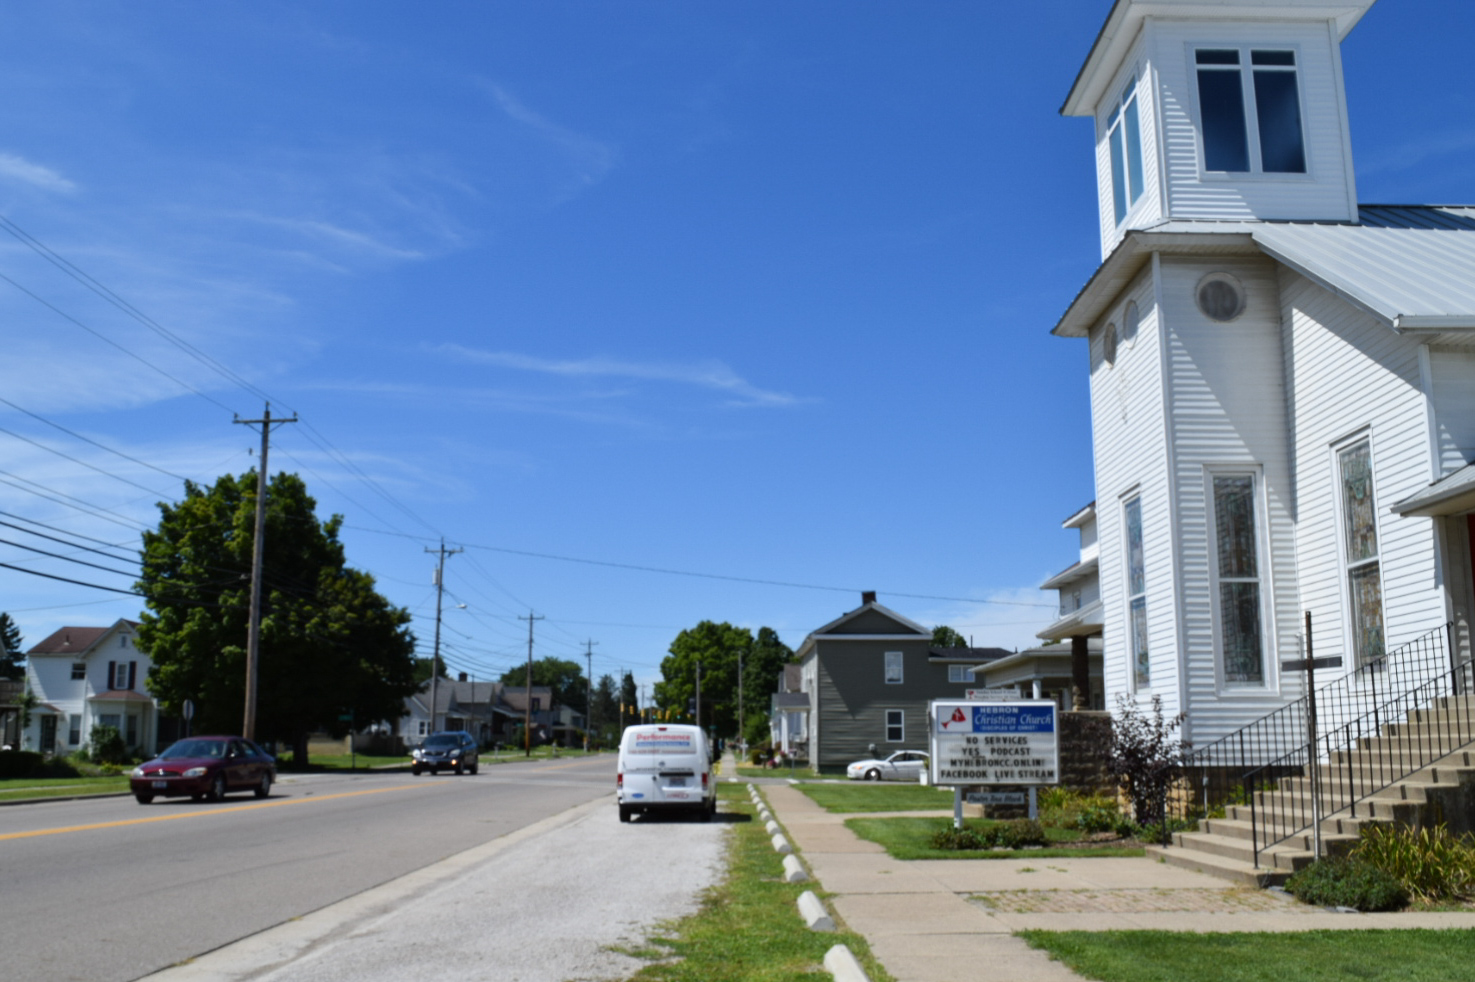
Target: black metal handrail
pixel 1396 739
pixel 1274 746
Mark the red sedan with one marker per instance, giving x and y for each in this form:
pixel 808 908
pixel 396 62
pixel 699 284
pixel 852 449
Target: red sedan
pixel 205 767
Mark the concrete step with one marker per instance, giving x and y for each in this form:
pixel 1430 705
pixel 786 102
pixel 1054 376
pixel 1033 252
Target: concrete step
pixel 1236 871
pixel 1235 828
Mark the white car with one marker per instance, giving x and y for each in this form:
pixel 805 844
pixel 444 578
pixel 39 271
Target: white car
pixel 904 765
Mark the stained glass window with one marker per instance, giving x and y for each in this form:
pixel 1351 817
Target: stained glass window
pixel 1360 528
pixel 1239 583
pixel 1137 594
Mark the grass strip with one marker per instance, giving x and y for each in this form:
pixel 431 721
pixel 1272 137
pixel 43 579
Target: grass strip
pixel 15 789
pixel 748 927
pixel 1306 956
pixel 909 838
pixel 849 798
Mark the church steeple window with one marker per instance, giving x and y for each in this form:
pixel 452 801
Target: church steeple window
pixel 1125 136
pixel 1230 100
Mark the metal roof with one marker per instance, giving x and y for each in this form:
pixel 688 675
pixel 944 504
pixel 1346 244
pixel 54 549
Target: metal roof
pixel 1410 266
pixel 1450 495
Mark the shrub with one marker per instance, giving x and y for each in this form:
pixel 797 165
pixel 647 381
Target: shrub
pixel 19 763
pixel 1146 755
pixel 106 746
pixel 1431 864
pixel 997 835
pixel 1098 814
pixel 1340 881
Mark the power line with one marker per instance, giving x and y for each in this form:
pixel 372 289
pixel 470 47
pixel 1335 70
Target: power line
pixel 76 460
pixel 51 494
pixel 85 439
pixel 55 555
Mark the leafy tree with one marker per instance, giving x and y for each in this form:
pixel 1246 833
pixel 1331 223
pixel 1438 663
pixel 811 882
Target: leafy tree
pixel 565 678
pixel 331 646
pixel 422 670
pixel 762 665
pixel 604 715
pixel 716 647
pixel 945 637
pixel 1146 756
pixel 11 657
pixel 629 698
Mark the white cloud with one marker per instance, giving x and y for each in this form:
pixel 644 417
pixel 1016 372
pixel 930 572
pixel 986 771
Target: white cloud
pixel 591 158
pixel 19 169
pixel 1006 618
pixel 707 375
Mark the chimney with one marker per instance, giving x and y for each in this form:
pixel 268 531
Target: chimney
pixel 867 597
pixel 461 677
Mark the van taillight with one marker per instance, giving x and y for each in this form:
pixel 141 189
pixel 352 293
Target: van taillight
pixel 704 780
pixel 619 780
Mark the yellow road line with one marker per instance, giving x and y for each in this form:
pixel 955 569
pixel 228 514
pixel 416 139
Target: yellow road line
pixel 306 799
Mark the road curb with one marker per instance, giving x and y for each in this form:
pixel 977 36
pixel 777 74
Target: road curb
pixel 814 913
pixel 66 797
pixel 841 964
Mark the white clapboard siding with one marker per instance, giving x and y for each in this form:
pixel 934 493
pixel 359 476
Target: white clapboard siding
pixel 1228 411
pixel 1452 384
pixel 1128 437
pixel 1322 193
pixel 1352 374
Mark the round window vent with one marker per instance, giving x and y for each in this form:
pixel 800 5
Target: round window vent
pixel 1108 344
pixel 1130 319
pixel 1220 297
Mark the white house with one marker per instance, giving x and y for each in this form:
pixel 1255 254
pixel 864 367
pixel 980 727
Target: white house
pixel 86 676
pixel 1282 380
pixel 1079 589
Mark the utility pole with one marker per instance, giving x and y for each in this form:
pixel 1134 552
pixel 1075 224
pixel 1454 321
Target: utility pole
pixel 527 726
pixel 258 547
pixel 641 717
pixel 622 703
pixel 589 698
pixel 440 571
pixel 699 695
pixel 741 731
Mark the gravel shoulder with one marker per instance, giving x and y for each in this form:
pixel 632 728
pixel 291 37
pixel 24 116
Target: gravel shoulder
pixel 545 904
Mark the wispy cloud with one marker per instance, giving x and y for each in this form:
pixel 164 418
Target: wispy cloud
pixel 1412 154
pixel 592 159
pixel 711 375
pixel 18 169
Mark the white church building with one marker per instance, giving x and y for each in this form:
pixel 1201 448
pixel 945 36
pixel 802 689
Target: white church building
pixel 1282 379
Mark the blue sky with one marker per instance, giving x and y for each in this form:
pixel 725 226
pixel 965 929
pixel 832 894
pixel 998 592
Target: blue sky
pixel 756 290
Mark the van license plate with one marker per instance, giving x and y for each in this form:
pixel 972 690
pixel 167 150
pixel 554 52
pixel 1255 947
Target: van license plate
pixel 159 785
pixel 677 782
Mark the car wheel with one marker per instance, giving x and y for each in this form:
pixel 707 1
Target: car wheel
pixel 708 811
pixel 873 775
pixel 474 767
pixel 458 768
pixel 197 796
pixel 624 813
pixel 263 790
pixel 144 799
pixel 415 770
pixel 217 790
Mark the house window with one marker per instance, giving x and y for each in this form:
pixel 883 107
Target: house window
pixel 893 668
pixel 79 671
pixel 120 675
pixel 896 725
pixel 1229 101
pixel 1137 595
pixel 74 730
pixel 1239 578
pixel 421 727
pixel 537 703
pixel 959 673
pixel 122 641
pixel 1360 529
pixel 115 720
pixel 1123 132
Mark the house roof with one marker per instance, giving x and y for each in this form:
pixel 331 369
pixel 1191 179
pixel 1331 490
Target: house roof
pixel 874 616
pixel 1450 495
pixel 1075 571
pixel 1410 266
pixel 1088 619
pixel 792 678
pixel 121 695
pixel 74 640
pixel 967 655
pixel 1124 22
pixel 791 700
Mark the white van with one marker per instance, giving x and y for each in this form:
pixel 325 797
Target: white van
pixel 665 768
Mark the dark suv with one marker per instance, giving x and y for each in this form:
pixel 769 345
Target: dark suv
pixel 455 749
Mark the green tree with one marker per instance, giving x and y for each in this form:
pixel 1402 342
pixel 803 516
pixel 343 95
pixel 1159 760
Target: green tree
pixel 604 715
pixel 332 648
pixel 565 678
pixel 762 666
pixel 717 648
pixel 629 698
pixel 945 637
pixel 422 669
pixel 12 658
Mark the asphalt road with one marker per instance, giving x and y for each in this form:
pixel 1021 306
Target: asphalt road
pixel 108 890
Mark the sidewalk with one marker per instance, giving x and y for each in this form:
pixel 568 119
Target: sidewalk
pixel 946 920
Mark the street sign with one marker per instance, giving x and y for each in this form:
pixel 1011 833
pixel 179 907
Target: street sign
pixel 994 743
pixel 189 709
pixel 992 695
pixel 1303 664
pixel 996 797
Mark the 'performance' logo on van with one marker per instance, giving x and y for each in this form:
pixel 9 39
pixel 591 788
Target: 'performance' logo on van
pixel 657 743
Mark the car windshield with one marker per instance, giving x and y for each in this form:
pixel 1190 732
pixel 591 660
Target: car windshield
pixel 195 748
pixel 443 740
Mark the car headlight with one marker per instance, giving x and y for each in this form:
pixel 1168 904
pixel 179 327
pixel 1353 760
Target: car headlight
pixel 195 772
pixel 136 772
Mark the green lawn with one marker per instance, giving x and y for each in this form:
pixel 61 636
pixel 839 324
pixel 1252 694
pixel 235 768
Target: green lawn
pixel 869 797
pixel 16 788
pixel 748 927
pixel 344 762
pixel 800 773
pixel 907 838
pixel 1305 956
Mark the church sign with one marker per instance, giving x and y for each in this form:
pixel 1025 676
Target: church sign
pixel 994 743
